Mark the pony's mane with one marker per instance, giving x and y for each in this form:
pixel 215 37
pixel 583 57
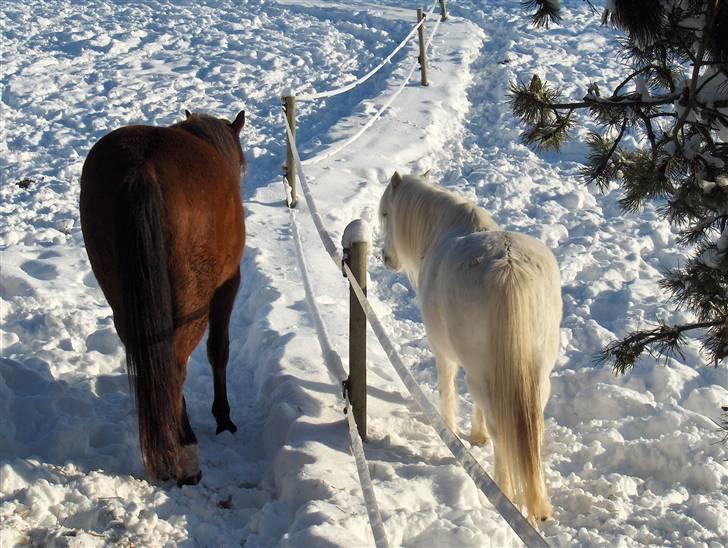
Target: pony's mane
pixel 423 213
pixel 216 132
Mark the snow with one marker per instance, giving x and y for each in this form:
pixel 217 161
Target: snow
pixel 629 460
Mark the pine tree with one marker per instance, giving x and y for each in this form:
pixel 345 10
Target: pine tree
pixel 674 102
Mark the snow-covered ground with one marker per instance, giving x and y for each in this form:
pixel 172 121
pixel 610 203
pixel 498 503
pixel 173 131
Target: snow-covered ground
pixel 630 460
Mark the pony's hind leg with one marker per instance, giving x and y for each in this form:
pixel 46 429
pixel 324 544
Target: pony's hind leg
pixel 478 431
pixel 218 349
pixel 446 371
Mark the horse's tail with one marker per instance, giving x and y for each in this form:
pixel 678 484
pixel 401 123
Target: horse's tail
pixel 148 323
pixel 516 384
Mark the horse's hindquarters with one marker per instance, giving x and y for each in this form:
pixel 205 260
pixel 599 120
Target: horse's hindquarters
pixel 163 226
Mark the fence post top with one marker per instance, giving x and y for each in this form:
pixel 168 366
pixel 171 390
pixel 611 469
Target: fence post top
pixel 357 231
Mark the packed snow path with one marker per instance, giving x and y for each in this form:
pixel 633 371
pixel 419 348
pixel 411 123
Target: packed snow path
pixel 630 460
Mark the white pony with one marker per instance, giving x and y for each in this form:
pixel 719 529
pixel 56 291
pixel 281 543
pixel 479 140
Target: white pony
pixel 491 303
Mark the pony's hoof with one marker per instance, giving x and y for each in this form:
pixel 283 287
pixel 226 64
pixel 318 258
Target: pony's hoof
pixel 190 480
pixel 226 424
pixel 544 514
pixel 478 439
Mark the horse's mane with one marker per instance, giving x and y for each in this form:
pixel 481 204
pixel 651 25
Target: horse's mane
pixel 216 132
pixel 423 213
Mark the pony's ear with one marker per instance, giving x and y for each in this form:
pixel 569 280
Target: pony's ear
pixel 396 179
pixel 426 175
pixel 187 114
pixel 239 122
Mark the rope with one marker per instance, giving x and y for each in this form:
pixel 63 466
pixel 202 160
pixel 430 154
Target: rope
pixel 378 114
pixel 329 244
pixel 480 477
pixel 338 375
pixel 331 357
pixel 375 518
pixel 352 85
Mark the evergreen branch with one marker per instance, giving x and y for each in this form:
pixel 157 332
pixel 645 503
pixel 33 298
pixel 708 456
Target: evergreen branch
pixel 650 132
pixel 663 340
pixel 547 11
pixel 601 174
pixel 548 136
pixel 618 101
pixel 661 115
pixel 697 231
pixel 687 51
pixel 660 45
pixel 707 81
pixel 719 115
pixel 697 65
pixel 707 137
pixel 723 424
pixel 633 75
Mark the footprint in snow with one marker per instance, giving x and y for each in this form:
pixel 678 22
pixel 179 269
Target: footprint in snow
pixel 40 270
pixel 12 286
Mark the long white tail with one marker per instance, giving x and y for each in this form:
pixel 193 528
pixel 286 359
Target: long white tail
pixel 516 327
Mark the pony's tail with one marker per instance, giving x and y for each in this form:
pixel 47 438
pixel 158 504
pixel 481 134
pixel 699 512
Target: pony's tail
pixel 148 323
pixel 515 388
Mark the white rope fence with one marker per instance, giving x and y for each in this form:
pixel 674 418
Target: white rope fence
pixel 338 375
pixel 358 81
pixel 485 483
pixel 332 152
pixel 375 518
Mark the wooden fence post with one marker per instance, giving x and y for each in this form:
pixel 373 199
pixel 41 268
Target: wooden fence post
pixel 290 106
pixel 356 249
pixel 423 58
pixel 443 10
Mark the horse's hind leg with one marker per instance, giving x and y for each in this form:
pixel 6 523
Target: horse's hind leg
pixel 190 472
pixel 218 349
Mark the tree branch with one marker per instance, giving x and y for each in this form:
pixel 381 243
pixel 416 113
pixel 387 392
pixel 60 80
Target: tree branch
pixel 624 353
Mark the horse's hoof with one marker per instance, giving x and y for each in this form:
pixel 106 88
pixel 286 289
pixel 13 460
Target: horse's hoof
pixel 226 424
pixel 190 480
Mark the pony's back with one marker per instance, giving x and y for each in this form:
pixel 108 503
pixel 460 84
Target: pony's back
pixel 423 214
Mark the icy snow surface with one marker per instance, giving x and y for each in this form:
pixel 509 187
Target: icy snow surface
pixel 629 460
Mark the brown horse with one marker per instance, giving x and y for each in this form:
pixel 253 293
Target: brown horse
pixel 162 220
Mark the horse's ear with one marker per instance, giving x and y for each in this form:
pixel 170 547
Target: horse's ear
pixel 187 114
pixel 426 175
pixel 239 122
pixel 396 179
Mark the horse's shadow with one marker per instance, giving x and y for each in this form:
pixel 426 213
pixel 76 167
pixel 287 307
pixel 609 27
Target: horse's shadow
pixel 57 422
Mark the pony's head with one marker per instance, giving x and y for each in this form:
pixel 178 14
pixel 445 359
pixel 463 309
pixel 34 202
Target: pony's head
pixel 389 251
pixel 220 133
pixel 391 256
pixel 415 215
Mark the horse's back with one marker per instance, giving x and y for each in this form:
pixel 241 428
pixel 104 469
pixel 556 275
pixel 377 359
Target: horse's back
pixel 175 159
